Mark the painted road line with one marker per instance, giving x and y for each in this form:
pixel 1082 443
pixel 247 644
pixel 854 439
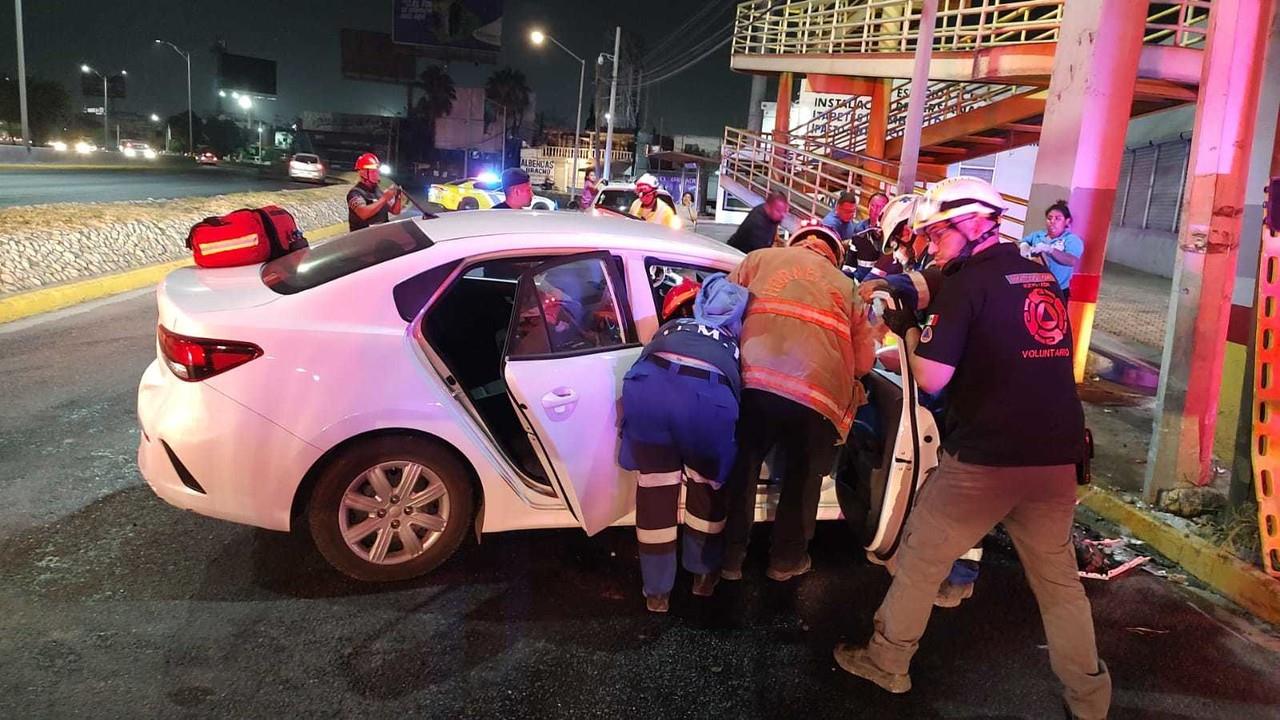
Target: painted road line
pixel 35 302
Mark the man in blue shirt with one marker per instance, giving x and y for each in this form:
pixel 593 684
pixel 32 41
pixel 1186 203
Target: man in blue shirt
pixel 1056 246
pixel 861 237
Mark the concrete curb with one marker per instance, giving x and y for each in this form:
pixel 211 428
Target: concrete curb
pixel 1238 581
pixel 36 302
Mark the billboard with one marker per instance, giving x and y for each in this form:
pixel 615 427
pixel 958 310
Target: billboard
pixel 91 86
pixel 449 29
pixel 256 76
pixel 373 56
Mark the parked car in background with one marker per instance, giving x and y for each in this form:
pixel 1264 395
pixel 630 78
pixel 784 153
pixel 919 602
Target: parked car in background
pixel 477 193
pixel 306 166
pixel 136 149
pixel 206 156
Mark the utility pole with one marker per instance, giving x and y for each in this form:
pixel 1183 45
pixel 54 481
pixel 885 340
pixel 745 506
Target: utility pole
pixel 613 97
pixel 915 106
pixel 22 79
pixel 191 123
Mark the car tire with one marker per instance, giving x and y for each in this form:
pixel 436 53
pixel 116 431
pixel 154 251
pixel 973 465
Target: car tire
pixel 344 500
pixel 540 206
pixel 468 203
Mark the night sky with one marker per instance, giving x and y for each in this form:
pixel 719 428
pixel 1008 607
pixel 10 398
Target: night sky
pixel 302 36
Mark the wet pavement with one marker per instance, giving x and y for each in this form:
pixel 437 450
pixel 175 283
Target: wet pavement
pixel 113 604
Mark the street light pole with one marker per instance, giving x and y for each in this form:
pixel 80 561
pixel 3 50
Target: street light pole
pixel 191 124
pixel 613 96
pixel 22 79
pixel 106 132
pixel 537 37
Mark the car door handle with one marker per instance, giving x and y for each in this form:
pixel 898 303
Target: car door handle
pixel 560 402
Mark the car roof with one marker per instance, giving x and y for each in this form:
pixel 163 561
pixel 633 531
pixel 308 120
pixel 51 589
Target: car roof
pixel 572 229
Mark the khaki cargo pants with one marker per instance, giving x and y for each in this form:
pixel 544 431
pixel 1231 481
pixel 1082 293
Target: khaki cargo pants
pixel 959 505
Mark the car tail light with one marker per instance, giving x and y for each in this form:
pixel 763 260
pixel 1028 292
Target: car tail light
pixel 195 359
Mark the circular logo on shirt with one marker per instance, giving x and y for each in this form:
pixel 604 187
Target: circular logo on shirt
pixel 1045 316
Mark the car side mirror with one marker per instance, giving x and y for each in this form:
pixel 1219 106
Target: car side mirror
pixel 1271 206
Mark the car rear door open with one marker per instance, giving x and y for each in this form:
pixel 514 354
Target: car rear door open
pixel 570 342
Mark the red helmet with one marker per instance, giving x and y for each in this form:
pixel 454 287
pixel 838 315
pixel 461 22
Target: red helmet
pixel 677 296
pixel 368 161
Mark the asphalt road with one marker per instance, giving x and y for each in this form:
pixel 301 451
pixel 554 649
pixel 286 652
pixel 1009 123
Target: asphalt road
pixel 113 604
pixel 24 186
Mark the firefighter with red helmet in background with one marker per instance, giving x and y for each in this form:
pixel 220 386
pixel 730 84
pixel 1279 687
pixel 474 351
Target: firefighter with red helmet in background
pixel 365 204
pixel 679 412
pixel 648 207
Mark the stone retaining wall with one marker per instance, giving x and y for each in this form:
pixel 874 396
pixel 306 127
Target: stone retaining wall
pixel 50 244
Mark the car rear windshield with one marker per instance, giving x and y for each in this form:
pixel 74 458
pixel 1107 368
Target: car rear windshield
pixel 306 158
pixel 304 269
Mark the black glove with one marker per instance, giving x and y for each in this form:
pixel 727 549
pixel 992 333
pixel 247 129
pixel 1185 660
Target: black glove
pixel 900 320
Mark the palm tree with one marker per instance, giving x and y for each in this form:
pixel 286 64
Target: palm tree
pixel 438 95
pixel 508 88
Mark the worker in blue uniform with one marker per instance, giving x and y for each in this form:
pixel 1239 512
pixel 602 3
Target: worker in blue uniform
pixel 679 414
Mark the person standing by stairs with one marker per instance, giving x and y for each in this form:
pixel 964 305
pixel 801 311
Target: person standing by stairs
pixel 760 228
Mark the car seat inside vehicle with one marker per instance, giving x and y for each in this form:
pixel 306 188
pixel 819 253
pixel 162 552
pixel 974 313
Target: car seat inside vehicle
pixel 467 327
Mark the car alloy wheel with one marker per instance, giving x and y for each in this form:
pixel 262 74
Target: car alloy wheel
pixel 393 512
pixel 391 508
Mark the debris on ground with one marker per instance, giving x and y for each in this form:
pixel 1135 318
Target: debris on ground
pixel 1189 502
pixel 1103 558
pixel 1146 630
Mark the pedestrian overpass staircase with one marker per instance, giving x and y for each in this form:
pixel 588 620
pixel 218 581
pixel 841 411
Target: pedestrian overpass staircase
pixel 988 85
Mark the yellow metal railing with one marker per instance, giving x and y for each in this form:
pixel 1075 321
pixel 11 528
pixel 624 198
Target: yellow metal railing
pixel 813 181
pixel 797 27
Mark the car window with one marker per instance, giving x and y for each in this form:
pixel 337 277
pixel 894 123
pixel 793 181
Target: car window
pixel 569 307
pixel 619 200
pixel 665 275
pixel 310 267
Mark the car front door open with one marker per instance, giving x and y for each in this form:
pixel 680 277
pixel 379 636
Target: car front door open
pixel 570 342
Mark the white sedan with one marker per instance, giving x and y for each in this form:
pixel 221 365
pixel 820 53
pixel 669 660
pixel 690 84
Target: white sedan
pixel 390 388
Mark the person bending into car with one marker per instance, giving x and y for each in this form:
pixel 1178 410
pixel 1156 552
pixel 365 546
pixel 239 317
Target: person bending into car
pixel 679 410
pixel 365 205
pixel 648 207
pixel 999 340
pixel 805 343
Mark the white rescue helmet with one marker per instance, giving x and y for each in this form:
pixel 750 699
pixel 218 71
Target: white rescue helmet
pixel 956 197
pixel 815 229
pixel 900 210
pixel 646 180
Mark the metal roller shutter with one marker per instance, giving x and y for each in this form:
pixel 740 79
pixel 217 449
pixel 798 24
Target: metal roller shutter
pixel 1135 209
pixel 1166 193
pixel 1122 187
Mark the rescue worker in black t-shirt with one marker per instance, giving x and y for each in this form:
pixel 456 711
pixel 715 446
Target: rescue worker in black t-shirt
pixel 997 338
pixel 365 205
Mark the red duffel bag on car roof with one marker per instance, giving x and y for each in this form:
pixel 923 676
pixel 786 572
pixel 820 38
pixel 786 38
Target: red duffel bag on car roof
pixel 244 237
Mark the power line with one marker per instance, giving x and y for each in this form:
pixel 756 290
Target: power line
pixel 647 82
pixel 692 51
pixel 678 33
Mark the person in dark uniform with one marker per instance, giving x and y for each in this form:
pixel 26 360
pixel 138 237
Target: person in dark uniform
pixel 998 339
pixel 760 227
pixel 861 237
pixel 679 411
pixel 516 188
pixel 365 205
